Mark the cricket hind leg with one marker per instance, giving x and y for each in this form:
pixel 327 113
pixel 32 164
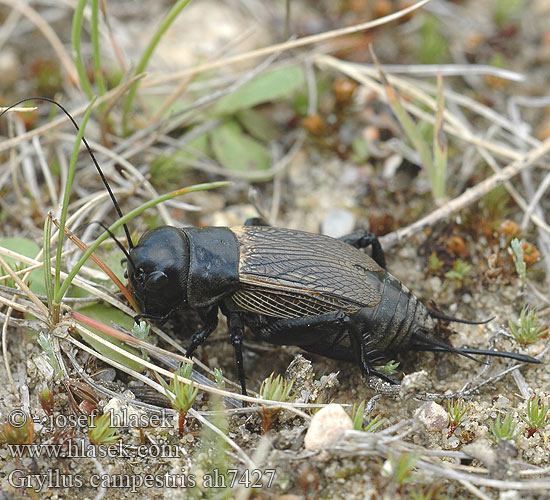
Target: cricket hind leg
pixel 365 239
pixel 235 325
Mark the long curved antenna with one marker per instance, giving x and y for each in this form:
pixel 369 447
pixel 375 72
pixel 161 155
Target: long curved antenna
pixel 90 152
pixel 118 243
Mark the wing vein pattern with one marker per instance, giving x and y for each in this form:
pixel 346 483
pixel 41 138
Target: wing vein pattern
pixel 291 273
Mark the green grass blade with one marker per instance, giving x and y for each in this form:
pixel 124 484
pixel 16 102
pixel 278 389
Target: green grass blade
pixel 142 64
pixel 47 260
pixel 65 205
pixel 409 126
pixel 440 146
pixel 76 35
pixel 98 71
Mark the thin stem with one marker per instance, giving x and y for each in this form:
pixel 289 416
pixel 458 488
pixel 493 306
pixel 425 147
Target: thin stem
pixel 142 64
pixel 98 71
pixel 76 35
pixel 47 259
pixel 64 208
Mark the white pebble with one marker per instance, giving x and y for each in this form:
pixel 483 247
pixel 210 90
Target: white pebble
pixel 326 427
pixel 9 67
pixel 338 222
pixel 502 402
pixel 435 284
pixel 433 416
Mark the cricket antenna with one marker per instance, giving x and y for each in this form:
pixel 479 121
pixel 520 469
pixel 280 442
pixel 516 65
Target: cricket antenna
pixel 110 233
pixel 90 152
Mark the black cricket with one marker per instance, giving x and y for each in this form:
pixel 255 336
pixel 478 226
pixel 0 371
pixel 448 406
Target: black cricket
pixel 289 287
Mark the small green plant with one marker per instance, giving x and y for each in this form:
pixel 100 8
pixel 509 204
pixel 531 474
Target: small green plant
pixel 528 330
pixel 17 428
pixel 435 161
pixel 400 469
pixel 503 429
pixel 405 465
pixel 435 263
pixel 459 272
pixel 46 344
pixel 181 394
pixel 519 262
pixel 360 150
pixel 275 389
pixel 536 416
pixel 457 415
pixel 102 432
pixel 220 382
pixel 141 332
pixel 9 282
pixel 374 423
pixel 434 45
pixel 357 412
pixel 46 400
pixel 390 368
pixel 357 416
pixel 213 454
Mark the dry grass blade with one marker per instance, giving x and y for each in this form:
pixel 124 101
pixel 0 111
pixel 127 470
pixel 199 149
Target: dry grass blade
pixel 61 120
pixel 18 109
pixel 41 307
pixel 49 34
pixel 129 339
pixel 285 46
pixel 100 263
pixel 468 197
pixel 160 389
pixel 291 406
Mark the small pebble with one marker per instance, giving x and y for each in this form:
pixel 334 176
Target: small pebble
pixel 502 402
pixel 391 165
pixel 9 67
pixel 107 374
pixel 453 442
pixel 483 451
pixel 509 495
pixel 123 414
pixel 326 427
pixel 414 383
pixel 433 416
pixel 338 222
pixel 435 284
